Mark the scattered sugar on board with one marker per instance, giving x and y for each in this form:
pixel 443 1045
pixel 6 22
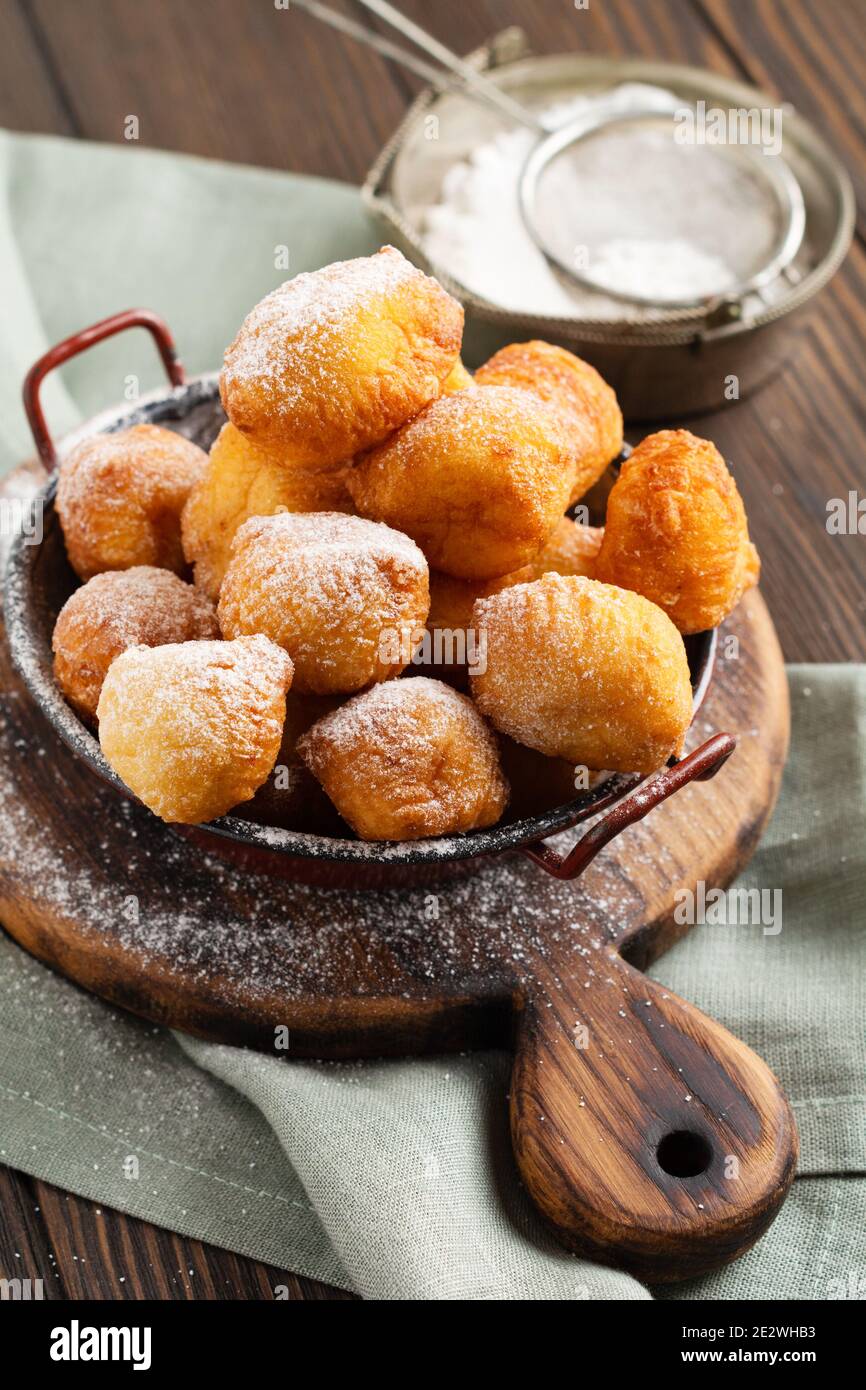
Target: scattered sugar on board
pixel 232 931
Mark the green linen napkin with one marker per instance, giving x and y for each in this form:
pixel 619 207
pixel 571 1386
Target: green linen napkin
pixel 393 1179
pixel 87 230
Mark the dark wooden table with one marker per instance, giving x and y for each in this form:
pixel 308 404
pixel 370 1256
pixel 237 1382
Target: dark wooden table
pixel 237 80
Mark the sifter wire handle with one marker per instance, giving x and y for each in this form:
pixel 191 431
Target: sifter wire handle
pixel 458 72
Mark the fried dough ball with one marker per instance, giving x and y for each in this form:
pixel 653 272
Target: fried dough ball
pixel 589 406
pixel 571 549
pixel 346 598
pixel 290 796
pixel 676 531
pixel 335 360
pixel 141 606
pixel 194 729
pixel 120 496
pixel 457 379
pixel 479 479
pixel 406 760
pixel 584 671
pixel 453 644
pixel 243 481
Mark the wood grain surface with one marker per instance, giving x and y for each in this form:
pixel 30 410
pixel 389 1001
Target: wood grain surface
pixel 322 106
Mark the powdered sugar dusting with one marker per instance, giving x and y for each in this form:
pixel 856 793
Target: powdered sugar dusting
pixel 489 416
pixel 141 605
pixel 408 759
pixel 121 609
pixel 329 539
pixel 241 674
pixel 194 727
pixel 591 657
pixel 156 460
pixel 285 330
pixel 328 587
pixel 391 710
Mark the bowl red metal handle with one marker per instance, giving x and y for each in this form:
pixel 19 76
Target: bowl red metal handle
pixel 697 767
pixel 79 342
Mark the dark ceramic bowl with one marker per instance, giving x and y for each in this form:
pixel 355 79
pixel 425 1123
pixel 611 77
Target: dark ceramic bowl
pixel 39 580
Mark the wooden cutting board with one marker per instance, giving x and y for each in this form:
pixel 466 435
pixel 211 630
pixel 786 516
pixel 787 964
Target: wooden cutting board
pixel 648 1136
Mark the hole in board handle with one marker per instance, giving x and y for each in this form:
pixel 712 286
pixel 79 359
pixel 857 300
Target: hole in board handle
pixel 684 1154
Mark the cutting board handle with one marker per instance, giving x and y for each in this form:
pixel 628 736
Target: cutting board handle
pixel 649 1137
